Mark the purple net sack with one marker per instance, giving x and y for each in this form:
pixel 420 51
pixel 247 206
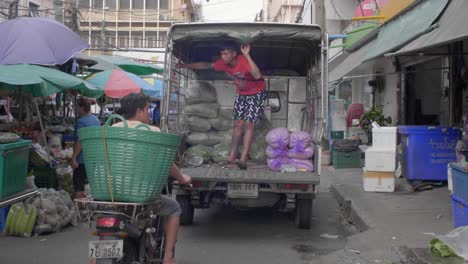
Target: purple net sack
pixel 301 164
pixel 276 164
pixel 307 153
pixel 299 140
pixel 273 153
pixel 278 137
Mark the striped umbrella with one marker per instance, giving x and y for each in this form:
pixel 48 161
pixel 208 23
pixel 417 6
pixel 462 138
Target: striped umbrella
pixel 117 83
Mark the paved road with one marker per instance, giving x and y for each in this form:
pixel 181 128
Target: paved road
pixel 219 235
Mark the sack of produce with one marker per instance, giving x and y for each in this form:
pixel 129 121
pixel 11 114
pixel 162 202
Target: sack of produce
pixel 277 164
pixel 226 113
pixel 200 150
pixel 55 210
pixel 301 164
pixel 200 92
pixel 307 153
pixel 206 110
pixel 221 152
pixel 257 150
pixel 65 178
pixel 299 140
pixel 221 123
pixel 278 137
pixel 198 124
pixel 273 153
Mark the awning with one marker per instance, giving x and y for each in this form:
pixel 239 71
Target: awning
pixel 414 22
pixel 352 61
pixel 452 26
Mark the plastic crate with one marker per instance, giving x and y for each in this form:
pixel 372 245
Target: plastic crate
pixel 3 217
pixel 337 134
pixel 460 181
pixel 426 151
pixel 460 211
pixel 14 158
pixel 345 160
pixel 44 177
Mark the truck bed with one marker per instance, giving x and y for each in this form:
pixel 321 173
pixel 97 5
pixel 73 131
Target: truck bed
pixel 254 174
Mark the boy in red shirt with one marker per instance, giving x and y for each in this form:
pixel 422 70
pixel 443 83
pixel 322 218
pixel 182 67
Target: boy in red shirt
pixel 251 95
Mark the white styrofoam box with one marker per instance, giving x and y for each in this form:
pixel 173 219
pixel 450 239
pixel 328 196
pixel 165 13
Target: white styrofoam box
pixel 383 160
pixel 384 137
pixel 357 132
pixel 338 122
pixel 377 181
pixel 337 107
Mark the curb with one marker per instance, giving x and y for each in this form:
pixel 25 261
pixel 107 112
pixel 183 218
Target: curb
pixel 349 210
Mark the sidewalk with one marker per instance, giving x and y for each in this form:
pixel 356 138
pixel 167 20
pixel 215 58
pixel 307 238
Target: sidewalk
pixel 392 225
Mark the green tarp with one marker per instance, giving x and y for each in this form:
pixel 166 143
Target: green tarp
pixel 43 81
pixel 414 22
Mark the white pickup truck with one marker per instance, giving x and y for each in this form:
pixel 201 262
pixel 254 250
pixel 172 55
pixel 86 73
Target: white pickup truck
pixel 293 61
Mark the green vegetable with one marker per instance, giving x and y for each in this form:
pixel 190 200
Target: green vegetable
pixel 440 249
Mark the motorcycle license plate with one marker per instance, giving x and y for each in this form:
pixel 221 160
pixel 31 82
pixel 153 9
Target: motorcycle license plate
pixel 242 190
pixel 106 249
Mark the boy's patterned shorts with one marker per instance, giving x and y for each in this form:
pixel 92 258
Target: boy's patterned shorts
pixel 250 107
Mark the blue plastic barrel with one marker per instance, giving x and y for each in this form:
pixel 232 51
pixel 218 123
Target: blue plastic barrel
pixel 426 151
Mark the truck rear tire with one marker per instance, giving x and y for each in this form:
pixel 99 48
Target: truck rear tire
pixel 303 214
pixel 186 218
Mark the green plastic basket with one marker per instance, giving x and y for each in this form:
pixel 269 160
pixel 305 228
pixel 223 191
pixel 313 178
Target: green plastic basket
pixel 13 167
pixel 139 161
pixel 346 160
pixel 337 134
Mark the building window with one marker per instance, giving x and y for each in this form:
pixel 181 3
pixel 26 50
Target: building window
pixel 97 4
pixel 162 39
pixel 124 4
pixel 137 4
pixel 83 4
pixel 153 4
pixel 137 39
pixel 164 4
pixel 33 10
pixel 123 39
pixel 111 4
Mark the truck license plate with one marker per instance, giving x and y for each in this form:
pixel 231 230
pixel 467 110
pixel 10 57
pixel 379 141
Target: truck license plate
pixel 242 190
pixel 106 249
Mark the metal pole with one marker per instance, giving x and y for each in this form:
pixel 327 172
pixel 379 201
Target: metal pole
pixel 89 25
pixel 144 25
pixel 172 12
pixel 130 26
pixel 43 131
pixel 157 23
pixel 117 9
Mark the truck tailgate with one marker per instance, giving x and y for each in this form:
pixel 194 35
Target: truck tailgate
pixel 252 175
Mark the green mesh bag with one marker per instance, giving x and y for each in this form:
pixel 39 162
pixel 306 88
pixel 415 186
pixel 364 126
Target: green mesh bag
pixel 138 161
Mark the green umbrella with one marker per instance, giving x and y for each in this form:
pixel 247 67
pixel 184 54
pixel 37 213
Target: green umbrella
pixel 126 65
pixel 42 81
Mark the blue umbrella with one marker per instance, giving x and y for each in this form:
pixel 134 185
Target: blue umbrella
pixel 35 40
pixel 158 87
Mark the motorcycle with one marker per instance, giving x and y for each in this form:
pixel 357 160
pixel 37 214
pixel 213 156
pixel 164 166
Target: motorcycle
pixel 128 233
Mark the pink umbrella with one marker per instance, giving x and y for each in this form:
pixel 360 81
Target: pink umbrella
pixel 117 83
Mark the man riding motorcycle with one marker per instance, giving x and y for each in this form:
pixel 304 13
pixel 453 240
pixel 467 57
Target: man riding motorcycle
pixel 134 107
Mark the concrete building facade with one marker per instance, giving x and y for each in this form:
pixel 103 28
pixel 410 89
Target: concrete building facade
pixel 111 24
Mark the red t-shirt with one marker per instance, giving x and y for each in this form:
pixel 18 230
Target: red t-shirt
pixel 246 84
